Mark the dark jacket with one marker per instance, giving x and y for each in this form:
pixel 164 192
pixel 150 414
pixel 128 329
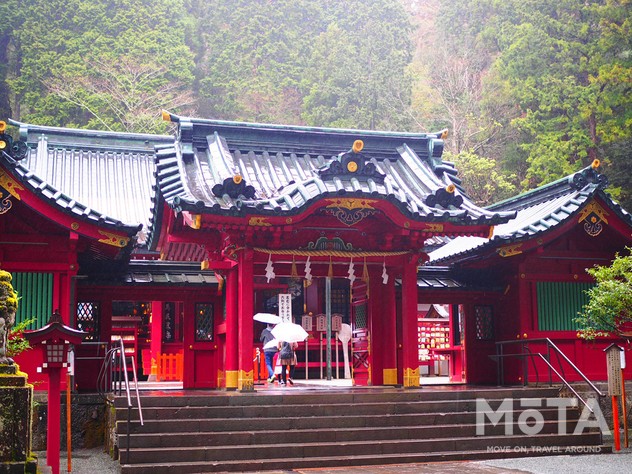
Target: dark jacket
pixel 266 336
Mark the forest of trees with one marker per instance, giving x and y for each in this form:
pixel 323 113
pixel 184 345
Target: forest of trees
pixel 530 90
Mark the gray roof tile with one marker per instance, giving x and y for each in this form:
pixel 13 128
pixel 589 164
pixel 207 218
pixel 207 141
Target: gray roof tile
pixel 107 177
pixel 286 168
pixel 538 211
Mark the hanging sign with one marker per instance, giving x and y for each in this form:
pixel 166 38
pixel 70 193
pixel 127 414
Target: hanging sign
pixel 321 322
pixel 306 322
pixel 285 307
pixel 336 323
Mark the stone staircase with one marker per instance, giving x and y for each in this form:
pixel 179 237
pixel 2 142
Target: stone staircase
pixel 301 428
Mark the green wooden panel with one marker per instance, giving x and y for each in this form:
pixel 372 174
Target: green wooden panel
pixel 35 293
pixel 559 303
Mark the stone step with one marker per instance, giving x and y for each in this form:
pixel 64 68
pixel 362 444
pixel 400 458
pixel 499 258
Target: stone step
pixel 203 425
pixel 329 409
pixel 248 437
pixel 306 397
pixel 233 432
pixel 264 452
pixel 288 464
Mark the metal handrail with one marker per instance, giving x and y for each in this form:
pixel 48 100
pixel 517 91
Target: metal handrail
pixel 115 365
pixel 566 383
pixel 558 352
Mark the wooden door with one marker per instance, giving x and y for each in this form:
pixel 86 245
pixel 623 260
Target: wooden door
pixel 200 345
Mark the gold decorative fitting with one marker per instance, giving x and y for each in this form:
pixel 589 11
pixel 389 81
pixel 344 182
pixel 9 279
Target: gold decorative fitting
pixel 352 166
pixel 450 188
pixel 237 179
pixel 358 145
pixel 593 217
pixel 113 239
pixel 3 144
pixel 433 228
pixel 509 250
pixel 74 226
pixel 288 220
pixel 591 211
pixel 259 221
pixel 3 126
pixel 595 164
pixel 9 184
pixel 411 377
pixel 351 203
pixel 166 116
pixel 444 134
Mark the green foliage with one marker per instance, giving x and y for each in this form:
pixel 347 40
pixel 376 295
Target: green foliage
pixel 11 17
pixel 358 69
pixel 482 180
pixel 252 57
pixel 541 87
pixel 563 79
pixel 17 344
pixel 568 68
pixel 297 61
pixel 609 309
pixel 102 64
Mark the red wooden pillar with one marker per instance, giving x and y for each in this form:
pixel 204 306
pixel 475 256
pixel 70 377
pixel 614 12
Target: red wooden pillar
pixel 382 312
pixel 231 367
pixel 188 339
pixel 156 337
pixel 245 323
pixel 410 350
pixel 389 331
pixel 375 321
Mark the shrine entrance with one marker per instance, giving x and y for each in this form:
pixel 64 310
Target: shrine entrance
pixel 441 343
pixel 310 300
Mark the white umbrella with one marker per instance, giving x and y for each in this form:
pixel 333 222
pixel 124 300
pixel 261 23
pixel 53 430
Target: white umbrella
pixel 272 343
pixel 289 332
pixel 267 318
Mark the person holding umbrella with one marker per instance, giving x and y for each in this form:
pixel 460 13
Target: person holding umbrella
pixel 289 335
pixel 270 348
pixel 269 340
pixel 287 357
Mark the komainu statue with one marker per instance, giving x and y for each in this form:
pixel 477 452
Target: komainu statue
pixel 8 307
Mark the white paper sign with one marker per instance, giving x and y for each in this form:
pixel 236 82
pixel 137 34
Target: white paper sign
pixel 285 307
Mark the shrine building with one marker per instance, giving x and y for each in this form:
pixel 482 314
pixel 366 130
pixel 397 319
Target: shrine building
pixel 173 243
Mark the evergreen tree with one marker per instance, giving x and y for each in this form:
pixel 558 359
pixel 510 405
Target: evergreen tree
pixel 102 64
pixel 358 70
pixel 609 308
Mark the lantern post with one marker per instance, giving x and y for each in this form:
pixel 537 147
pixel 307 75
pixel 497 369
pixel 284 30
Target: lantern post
pixel 55 340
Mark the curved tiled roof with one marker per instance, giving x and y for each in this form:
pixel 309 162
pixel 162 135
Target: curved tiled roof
pixel 538 211
pixel 284 169
pixel 106 177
